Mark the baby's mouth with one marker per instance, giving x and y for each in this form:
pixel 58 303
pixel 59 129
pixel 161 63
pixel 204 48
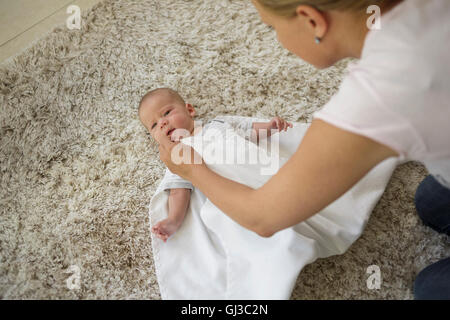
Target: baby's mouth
pixel 169 133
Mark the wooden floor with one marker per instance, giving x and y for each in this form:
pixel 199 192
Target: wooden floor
pixel 24 21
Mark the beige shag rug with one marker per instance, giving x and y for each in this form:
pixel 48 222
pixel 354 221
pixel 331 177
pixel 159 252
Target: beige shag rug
pixel 78 169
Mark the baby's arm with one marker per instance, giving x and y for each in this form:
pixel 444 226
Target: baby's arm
pixel 178 204
pixel 276 123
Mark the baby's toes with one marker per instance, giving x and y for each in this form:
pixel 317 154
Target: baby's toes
pixel 155 229
pixel 161 235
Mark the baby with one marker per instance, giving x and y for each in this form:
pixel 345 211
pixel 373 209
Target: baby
pixel 162 111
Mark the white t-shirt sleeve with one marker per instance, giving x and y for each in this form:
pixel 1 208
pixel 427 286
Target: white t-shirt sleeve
pixel 173 181
pixel 358 109
pixel 242 125
pixel 398 92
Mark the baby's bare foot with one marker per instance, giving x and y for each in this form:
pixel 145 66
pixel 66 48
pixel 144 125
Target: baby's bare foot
pixel 165 228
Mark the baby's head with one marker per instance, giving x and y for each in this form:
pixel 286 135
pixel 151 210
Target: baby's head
pixel 163 110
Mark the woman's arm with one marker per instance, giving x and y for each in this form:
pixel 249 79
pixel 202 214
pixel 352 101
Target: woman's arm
pixel 328 162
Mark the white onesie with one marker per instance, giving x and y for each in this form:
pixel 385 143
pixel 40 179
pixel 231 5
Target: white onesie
pixel 242 125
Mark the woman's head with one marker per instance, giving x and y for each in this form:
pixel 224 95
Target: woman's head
pixel 320 32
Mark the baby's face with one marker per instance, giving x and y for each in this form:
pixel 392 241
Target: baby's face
pixel 162 114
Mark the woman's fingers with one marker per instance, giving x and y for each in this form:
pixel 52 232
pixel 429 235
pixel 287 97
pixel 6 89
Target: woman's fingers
pixel 165 141
pixel 165 148
pixel 178 157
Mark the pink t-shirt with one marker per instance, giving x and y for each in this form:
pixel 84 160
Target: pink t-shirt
pixel 398 93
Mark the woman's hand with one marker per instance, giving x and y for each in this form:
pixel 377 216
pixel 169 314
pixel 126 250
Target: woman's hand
pixel 178 157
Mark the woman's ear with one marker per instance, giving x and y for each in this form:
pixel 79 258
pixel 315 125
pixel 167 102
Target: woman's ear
pixel 190 109
pixel 314 20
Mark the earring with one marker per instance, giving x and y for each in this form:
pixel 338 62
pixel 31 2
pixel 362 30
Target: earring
pixel 317 40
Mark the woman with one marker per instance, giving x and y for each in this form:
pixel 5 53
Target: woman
pixel 393 103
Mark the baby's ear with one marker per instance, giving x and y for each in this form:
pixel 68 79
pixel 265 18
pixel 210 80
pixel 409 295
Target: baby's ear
pixel 190 109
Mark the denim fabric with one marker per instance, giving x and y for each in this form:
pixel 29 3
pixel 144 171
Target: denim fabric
pixel 433 206
pixel 433 282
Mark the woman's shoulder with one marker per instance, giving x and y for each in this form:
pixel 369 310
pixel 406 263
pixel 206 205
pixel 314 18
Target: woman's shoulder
pixel 413 26
pixel 406 60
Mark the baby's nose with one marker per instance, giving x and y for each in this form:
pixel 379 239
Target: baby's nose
pixel 164 122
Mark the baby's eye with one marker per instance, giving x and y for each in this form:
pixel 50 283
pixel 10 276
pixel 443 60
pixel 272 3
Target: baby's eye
pixel 154 125
pixel 167 112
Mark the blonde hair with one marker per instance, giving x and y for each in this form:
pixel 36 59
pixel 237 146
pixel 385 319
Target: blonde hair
pixel 287 7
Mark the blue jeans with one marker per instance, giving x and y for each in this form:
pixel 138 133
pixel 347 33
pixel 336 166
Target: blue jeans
pixel 433 206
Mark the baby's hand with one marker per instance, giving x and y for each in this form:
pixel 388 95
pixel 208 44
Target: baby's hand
pixel 164 229
pixel 279 123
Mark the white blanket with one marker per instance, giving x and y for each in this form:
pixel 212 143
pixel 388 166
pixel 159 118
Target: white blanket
pixel 213 257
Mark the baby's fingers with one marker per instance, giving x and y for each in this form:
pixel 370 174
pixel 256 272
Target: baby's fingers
pixel 279 123
pixel 287 125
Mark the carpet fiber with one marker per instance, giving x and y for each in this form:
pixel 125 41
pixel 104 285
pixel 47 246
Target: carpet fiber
pixel 78 169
